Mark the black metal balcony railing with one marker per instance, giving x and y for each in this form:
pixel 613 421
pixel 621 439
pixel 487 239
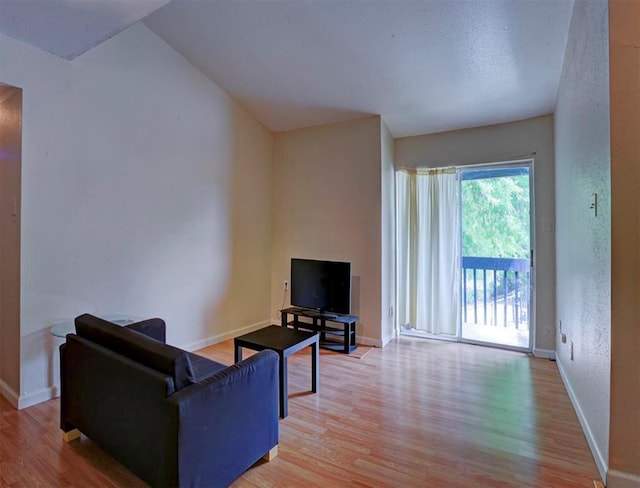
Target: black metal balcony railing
pixel 501 290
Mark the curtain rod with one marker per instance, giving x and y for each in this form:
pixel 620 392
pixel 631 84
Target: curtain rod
pixel 510 160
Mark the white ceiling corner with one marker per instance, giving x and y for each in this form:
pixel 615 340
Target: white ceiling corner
pixel 69 28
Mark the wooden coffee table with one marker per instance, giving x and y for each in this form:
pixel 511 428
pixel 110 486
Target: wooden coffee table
pixel 285 342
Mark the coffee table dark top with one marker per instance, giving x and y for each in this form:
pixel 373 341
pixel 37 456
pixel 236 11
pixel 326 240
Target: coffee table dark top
pixel 275 337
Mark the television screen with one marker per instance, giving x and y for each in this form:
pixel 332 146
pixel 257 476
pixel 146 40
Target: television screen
pixel 321 285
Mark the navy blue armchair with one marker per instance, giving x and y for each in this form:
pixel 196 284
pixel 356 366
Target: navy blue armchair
pixel 173 418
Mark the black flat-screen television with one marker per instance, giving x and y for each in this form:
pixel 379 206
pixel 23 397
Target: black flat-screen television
pixel 321 285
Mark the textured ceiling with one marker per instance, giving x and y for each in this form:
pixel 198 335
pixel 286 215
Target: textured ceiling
pixel 68 28
pixel 425 66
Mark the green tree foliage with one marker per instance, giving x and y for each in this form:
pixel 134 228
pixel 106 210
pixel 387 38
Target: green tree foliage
pixel 495 217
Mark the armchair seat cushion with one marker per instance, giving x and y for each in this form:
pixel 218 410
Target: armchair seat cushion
pixel 203 367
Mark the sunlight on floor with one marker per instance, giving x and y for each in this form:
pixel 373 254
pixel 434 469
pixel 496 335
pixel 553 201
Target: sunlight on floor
pixel 491 334
pixel 497 334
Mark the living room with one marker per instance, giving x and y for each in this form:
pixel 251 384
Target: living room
pixel 146 189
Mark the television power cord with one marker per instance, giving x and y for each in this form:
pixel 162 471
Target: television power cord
pixel 284 297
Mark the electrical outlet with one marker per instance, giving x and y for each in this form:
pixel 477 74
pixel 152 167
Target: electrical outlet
pixel 564 338
pixel 571 350
pixel 548 331
pixel 286 285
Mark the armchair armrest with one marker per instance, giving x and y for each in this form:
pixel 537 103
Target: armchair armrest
pixel 227 422
pixel 154 328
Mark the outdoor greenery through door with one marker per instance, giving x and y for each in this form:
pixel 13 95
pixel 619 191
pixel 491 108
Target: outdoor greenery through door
pixel 496 261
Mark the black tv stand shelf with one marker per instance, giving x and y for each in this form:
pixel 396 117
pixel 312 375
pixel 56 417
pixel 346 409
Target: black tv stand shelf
pixel 340 338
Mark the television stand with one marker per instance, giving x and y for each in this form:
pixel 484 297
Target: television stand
pixel 341 338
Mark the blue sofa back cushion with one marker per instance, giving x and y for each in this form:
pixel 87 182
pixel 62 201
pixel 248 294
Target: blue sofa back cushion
pixel 167 359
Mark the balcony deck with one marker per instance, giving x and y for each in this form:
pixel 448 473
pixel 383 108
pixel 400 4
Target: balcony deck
pixel 494 302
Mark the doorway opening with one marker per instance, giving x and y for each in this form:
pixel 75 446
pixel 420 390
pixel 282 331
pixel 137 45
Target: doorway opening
pixel 10 195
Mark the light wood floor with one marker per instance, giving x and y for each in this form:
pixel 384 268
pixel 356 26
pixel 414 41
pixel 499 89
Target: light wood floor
pixel 417 413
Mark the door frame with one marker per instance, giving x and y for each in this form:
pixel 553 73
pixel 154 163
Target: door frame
pixel 529 163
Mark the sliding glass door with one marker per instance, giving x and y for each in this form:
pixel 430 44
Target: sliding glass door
pixel 496 255
pixel 464 263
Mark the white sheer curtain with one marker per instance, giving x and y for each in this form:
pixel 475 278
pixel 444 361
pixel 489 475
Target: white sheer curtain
pixel 427 243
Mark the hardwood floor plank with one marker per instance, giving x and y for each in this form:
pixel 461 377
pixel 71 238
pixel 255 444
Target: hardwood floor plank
pixel 417 413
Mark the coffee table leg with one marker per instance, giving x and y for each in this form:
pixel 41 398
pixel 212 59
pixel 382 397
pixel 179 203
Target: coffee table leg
pixel 284 396
pixel 315 359
pixel 237 353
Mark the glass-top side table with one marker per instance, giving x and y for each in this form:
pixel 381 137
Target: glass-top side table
pixel 61 329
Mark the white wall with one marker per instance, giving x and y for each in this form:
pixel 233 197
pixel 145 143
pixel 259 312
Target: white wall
pixel 583 244
pixel 146 191
pixel 388 237
pixel 10 170
pixel 327 205
pixel 504 142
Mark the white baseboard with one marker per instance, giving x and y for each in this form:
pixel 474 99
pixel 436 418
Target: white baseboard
pixel 388 339
pixel 7 392
pixel 544 353
pixel 618 479
pixel 37 397
pixel 363 340
pixel 209 341
pixel 601 463
pixel 368 341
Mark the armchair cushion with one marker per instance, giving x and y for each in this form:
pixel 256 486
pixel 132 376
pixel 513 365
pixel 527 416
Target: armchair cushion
pixel 167 359
pixel 203 367
pixel 154 328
